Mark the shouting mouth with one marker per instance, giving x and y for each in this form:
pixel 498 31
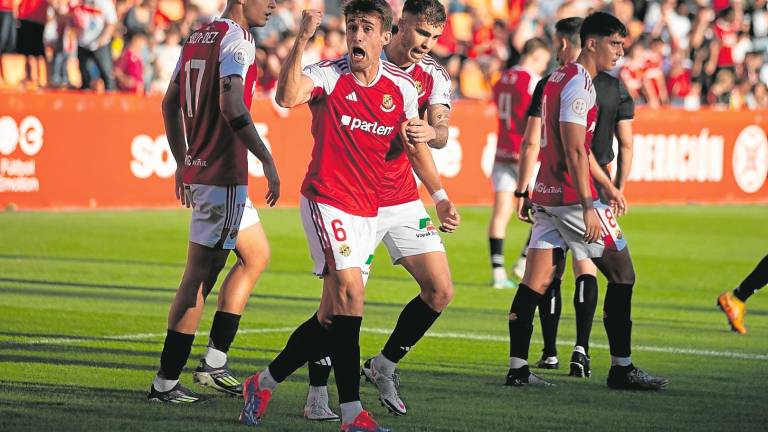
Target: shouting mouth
pixel 358 54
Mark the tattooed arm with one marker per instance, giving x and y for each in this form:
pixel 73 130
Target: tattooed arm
pixel 439 118
pixel 235 112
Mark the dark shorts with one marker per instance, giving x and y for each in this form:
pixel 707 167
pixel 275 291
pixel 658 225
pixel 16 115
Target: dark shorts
pixel 7 32
pixel 30 41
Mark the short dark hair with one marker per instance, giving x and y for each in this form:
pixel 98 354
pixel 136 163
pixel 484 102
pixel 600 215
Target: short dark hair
pixel 601 24
pixel 569 27
pixel 431 11
pixel 534 44
pixel 379 7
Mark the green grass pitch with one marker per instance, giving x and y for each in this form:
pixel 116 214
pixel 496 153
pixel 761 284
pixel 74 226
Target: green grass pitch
pixel 84 297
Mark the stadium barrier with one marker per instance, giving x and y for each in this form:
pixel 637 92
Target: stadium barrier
pixel 75 150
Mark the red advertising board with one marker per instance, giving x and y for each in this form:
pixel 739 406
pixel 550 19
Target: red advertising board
pixel 73 150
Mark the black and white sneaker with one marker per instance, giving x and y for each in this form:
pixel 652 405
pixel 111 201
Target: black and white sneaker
pixel 633 378
pixel 546 362
pixel 220 379
pixel 523 377
pixel 178 394
pixel 580 365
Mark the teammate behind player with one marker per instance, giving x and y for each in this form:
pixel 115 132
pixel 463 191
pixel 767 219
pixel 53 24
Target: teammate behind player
pixel 732 302
pixel 568 216
pixel 359 103
pixel 403 224
pixel 512 95
pixel 211 88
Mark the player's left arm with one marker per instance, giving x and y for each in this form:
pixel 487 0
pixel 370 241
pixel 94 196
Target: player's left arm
pixel 434 127
pixel 439 116
pixel 420 156
pixel 174 131
pixel 624 136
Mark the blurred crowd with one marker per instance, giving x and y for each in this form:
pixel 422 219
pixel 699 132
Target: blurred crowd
pixel 685 53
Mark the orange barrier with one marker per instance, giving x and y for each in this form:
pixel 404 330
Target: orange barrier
pixel 76 150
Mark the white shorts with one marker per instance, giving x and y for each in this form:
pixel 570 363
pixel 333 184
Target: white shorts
pixel 250 215
pixel 504 176
pixel 407 230
pixel 336 238
pixel 216 214
pixel 563 227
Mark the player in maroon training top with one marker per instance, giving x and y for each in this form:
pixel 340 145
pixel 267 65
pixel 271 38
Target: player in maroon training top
pixel 403 224
pixel 568 214
pixel 359 104
pixel 207 102
pixel 512 95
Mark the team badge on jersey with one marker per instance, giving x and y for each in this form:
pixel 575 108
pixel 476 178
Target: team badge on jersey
pixel 419 88
pixel 387 104
pixel 241 56
pixel 345 250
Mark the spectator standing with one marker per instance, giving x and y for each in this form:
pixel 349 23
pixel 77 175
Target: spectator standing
pixel 95 21
pixel 7 32
pixel 129 68
pixel 166 53
pixel 32 17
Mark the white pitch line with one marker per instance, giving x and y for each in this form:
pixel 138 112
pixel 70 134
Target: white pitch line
pixel 386 331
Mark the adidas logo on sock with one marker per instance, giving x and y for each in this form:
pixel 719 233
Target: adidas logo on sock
pixel 352 97
pixel 405 348
pixel 324 361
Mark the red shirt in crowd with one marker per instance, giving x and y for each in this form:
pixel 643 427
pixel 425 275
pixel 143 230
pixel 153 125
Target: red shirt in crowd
pixel 131 65
pixel 33 10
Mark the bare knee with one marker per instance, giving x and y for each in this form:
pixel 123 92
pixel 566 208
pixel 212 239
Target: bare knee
pixel 254 264
pixel 437 295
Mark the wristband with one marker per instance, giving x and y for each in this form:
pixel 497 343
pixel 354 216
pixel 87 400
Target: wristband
pixel 439 196
pixel 523 194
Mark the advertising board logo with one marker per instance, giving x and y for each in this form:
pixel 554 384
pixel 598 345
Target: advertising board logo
pixel 750 159
pixel 154 157
pixel 19 144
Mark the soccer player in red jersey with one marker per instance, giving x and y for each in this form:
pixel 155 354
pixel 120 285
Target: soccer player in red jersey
pixel 512 95
pixel 568 214
pixel 615 113
pixel 359 104
pixel 211 90
pixel 403 223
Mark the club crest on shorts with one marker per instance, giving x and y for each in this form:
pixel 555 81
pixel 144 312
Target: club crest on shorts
pixel 419 88
pixel 345 250
pixel 387 104
pixel 619 235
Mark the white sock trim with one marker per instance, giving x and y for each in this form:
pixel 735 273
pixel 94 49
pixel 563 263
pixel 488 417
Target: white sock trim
pixel 517 363
pixel 621 361
pixel 349 411
pixel 579 349
pixel 162 384
pixel 215 358
pixel 266 381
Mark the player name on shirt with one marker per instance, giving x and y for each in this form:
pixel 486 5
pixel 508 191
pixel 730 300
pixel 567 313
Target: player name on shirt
pixel 204 38
pixel 353 126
